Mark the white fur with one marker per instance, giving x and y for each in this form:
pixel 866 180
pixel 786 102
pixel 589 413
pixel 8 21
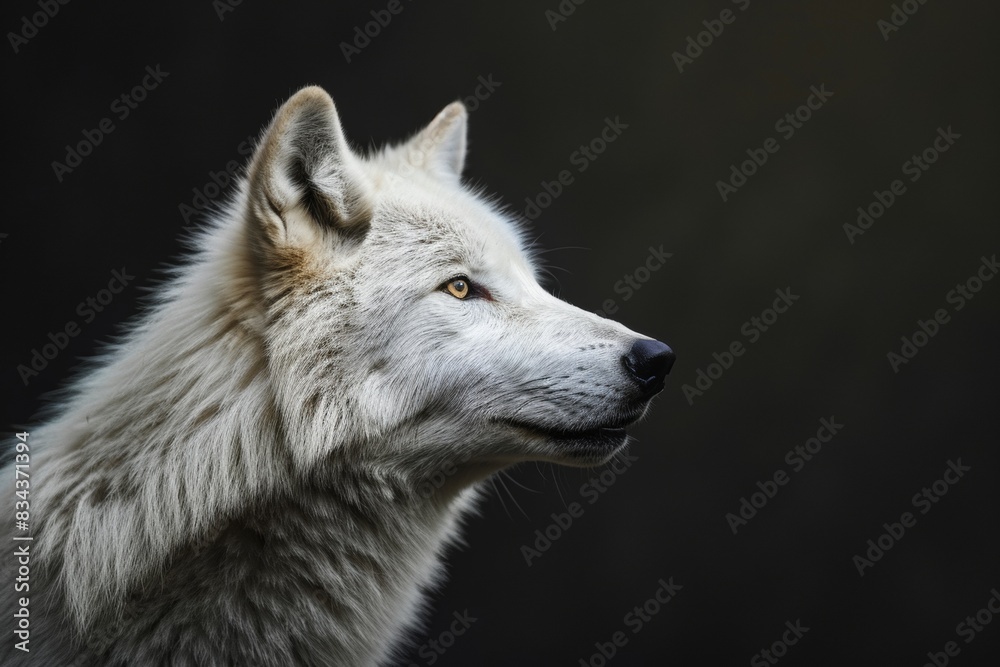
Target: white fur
pixel 238 481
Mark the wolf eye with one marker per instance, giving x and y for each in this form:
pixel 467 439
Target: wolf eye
pixel 458 287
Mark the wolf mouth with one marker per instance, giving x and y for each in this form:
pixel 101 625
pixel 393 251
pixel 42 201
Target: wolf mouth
pixel 611 433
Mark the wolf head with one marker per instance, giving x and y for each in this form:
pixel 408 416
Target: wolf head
pixel 402 316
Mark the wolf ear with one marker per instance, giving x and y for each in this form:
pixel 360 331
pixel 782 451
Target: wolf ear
pixel 304 178
pixel 439 148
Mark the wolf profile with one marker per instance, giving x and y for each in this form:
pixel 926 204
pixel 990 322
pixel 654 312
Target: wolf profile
pixel 243 479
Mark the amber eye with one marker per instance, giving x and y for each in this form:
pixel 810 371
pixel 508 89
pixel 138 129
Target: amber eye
pixel 458 288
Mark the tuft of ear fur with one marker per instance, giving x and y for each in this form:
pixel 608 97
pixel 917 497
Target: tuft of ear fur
pixel 304 178
pixel 439 148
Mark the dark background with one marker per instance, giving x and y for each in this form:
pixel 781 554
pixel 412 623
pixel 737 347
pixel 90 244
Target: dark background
pixel 655 185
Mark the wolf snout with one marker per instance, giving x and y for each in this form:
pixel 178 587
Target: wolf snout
pixel 649 362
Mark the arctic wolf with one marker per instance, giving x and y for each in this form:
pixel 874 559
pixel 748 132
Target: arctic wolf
pixel 245 478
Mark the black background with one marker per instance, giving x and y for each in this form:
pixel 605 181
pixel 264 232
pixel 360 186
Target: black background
pixel 655 185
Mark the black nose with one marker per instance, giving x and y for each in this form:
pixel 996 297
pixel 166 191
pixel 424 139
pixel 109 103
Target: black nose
pixel 649 362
